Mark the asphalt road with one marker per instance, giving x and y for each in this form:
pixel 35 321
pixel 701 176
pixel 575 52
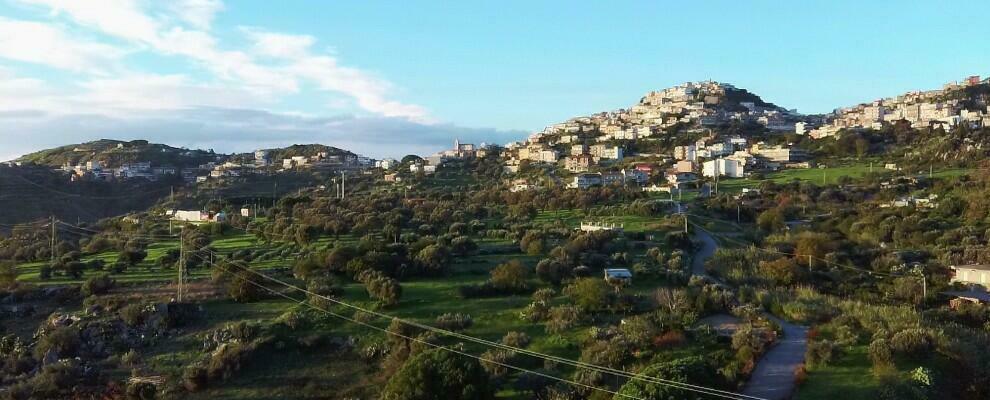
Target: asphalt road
pixel 773 377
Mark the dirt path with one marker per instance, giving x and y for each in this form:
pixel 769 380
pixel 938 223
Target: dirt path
pixel 773 377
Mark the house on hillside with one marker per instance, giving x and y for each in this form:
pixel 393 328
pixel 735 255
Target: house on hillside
pixel 584 181
pixel 195 216
pixel 973 275
pixel 619 276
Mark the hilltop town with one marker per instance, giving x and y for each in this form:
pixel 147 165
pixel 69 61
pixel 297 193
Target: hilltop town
pixel 670 140
pixel 711 129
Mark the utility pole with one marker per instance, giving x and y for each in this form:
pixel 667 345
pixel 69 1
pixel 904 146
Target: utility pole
pixel 53 240
pixel 182 267
pixel 924 285
pixel 738 214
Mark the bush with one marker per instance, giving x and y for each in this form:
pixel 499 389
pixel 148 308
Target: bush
pixel 819 352
pixel 132 314
pixel 911 342
pixel 97 285
pixel 386 290
pixel 563 318
pixel 454 322
pixel 880 353
pixel 63 342
pixel 516 339
pixel 131 358
pixel 194 378
pixel 512 276
pixel 436 374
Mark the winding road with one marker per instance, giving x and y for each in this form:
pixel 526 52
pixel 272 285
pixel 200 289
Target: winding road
pixel 773 377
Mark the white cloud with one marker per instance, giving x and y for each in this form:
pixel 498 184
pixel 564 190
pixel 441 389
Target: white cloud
pixel 47 44
pixel 121 18
pixel 229 110
pixel 170 92
pixel 369 92
pixel 279 45
pixel 234 66
pixel 125 19
pixel 198 13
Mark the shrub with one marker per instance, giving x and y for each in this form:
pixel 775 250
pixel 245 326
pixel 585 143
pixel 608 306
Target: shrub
pixel 131 358
pixel 454 322
pixel 800 375
pixel 590 294
pixel 194 377
pixel 322 287
pixel 516 339
pixel 670 339
pixel 63 342
pixel 512 275
pixel 880 353
pixel 819 352
pixel 132 314
pixel 562 318
pixel 912 342
pixel 228 359
pixel 386 290
pixel 463 378
pixel 97 285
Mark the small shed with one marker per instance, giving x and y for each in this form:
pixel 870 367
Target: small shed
pixel 618 275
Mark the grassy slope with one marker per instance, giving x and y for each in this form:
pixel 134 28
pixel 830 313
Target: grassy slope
pixel 829 175
pixel 848 378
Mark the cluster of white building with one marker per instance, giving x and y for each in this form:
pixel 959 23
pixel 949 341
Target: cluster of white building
pixel 922 109
pixel 98 170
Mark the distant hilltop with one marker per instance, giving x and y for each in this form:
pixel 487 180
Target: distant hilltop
pixel 708 105
pixel 108 159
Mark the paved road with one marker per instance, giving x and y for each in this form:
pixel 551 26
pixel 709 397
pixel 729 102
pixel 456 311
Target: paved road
pixel 773 377
pixel 707 250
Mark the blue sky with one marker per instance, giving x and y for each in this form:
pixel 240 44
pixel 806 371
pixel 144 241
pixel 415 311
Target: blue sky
pixel 388 78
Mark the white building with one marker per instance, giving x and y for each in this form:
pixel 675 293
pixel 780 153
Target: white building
pixel 387 163
pixel 723 167
pixel 976 274
pixel 606 152
pixel 195 216
pixel 584 181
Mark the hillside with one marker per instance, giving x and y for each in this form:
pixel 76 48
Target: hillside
pixel 114 153
pixel 32 193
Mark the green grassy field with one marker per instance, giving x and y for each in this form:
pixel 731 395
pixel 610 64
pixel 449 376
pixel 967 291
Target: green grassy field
pixel 149 270
pixel 848 378
pixel 829 176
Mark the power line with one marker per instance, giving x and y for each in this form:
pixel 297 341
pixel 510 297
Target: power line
pixel 437 346
pixel 596 368
pixel 578 364
pixel 778 252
